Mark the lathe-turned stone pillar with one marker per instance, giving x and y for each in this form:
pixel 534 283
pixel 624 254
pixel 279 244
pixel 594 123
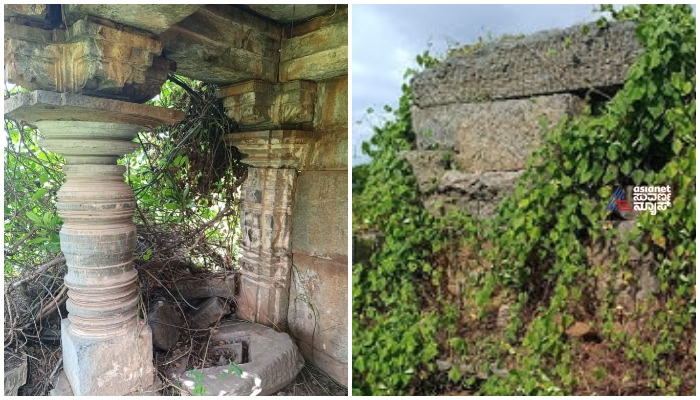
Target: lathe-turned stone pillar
pixel 107 347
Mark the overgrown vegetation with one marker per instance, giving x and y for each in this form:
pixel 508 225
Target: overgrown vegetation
pixel 562 336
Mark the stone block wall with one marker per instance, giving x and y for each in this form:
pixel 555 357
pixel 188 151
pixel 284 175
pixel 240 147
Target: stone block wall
pixel 480 114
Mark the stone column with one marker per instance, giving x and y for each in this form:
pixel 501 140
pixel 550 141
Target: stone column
pixel 107 347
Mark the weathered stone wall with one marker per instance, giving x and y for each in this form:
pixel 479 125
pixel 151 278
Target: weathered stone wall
pixel 299 123
pixel 318 301
pixel 479 115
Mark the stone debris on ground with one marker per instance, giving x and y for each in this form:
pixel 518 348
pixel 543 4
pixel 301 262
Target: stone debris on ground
pixel 165 322
pixel 209 312
pixel 15 372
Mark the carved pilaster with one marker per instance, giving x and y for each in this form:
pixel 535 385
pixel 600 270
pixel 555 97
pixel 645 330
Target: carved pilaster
pixel 266 257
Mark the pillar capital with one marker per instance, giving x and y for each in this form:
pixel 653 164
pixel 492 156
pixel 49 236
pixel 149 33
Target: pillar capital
pixel 86 58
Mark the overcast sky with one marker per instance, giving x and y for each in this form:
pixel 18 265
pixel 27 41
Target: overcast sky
pixel 386 39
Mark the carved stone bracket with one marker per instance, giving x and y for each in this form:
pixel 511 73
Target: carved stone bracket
pixel 86 58
pixel 261 105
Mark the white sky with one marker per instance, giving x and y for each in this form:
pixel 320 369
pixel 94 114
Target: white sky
pixel 386 39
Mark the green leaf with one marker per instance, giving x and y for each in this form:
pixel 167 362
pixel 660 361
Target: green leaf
pixel 454 375
pixel 39 194
pixel 32 216
pixel 638 176
pixel 677 146
pixel 234 368
pixel 171 206
pixel 47 217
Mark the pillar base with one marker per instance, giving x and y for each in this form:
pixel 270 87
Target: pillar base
pixel 112 366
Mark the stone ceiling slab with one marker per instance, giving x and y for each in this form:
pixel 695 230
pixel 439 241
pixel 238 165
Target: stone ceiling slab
pixel 154 18
pixel 286 13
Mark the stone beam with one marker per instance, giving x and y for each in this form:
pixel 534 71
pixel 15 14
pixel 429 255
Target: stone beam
pixel 154 18
pixel 86 58
pixel 568 60
pixel 316 50
pixel 107 347
pixel 41 15
pixel 223 45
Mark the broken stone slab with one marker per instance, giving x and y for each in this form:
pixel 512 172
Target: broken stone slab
pixel 554 61
pixel 274 362
pixel 491 136
pixel 224 287
pixel 209 313
pixel 165 322
pixel 484 186
pixel 15 372
pixel 477 194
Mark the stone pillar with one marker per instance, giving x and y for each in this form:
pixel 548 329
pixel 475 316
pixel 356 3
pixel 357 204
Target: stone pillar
pixel 107 347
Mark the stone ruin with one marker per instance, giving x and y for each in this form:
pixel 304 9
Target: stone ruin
pixel 283 76
pixel 480 114
pixel 477 115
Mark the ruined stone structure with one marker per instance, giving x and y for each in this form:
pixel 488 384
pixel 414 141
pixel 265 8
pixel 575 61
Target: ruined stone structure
pixel 283 71
pixel 478 115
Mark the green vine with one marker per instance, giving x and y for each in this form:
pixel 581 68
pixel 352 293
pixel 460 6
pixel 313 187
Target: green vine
pixel 536 252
